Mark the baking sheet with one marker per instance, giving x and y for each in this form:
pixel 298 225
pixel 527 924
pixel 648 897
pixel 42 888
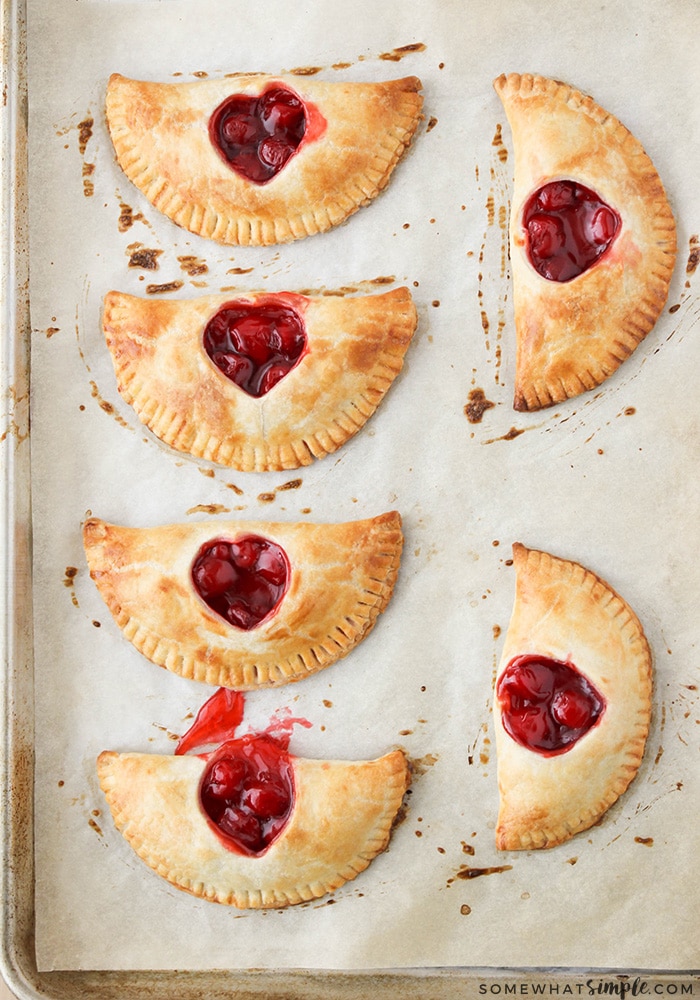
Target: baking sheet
pixel 605 479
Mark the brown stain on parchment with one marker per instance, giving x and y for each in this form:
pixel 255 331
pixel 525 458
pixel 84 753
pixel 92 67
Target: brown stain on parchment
pixel 209 508
pixel 291 484
pixel 127 217
pixel 477 406
pixel 466 872
pixel 143 257
pixel 306 70
pixel 69 583
pixel 85 131
pixel 492 314
pixel 497 142
pixel 106 406
pixel 192 265
pixel 168 286
pixel 395 55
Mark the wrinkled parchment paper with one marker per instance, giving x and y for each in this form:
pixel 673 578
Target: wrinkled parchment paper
pixel 609 480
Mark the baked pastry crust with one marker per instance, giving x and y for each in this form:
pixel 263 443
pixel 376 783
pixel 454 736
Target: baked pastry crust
pixel 161 138
pixel 341 820
pixel 355 349
pixel 571 336
pixel 567 613
pixel 341 578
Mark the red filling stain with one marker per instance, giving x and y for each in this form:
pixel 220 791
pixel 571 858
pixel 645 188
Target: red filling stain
pixel 547 705
pixel 257 136
pixel 242 581
pixel 255 344
pixel 247 790
pixel 568 229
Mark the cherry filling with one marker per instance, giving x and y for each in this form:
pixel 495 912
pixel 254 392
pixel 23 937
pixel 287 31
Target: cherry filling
pixel 568 229
pixel 256 136
pixel 255 344
pixel 242 581
pixel 247 792
pixel 547 705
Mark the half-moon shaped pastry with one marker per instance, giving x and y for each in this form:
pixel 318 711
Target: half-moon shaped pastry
pixel 341 818
pixel 258 382
pixel 255 160
pixel 572 703
pixel 245 604
pixel 592 240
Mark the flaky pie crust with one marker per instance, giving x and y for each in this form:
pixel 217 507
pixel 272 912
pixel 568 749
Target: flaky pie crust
pixel 161 138
pixel 342 577
pixel 342 819
pixel 570 336
pixel 567 613
pixel 355 349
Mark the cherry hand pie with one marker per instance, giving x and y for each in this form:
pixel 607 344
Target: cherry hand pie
pixel 255 160
pixel 592 240
pixel 222 829
pixel 572 702
pixel 245 604
pixel 262 381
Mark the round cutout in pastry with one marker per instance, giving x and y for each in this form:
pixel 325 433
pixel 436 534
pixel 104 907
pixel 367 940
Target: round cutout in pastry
pixel 250 616
pixel 259 159
pixel 592 240
pixel 258 382
pixel 340 819
pixel 572 703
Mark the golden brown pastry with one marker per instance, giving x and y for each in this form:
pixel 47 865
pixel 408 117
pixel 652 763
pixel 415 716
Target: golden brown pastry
pixel 572 703
pixel 245 604
pixel 260 159
pixel 336 816
pixel 592 240
pixel 258 382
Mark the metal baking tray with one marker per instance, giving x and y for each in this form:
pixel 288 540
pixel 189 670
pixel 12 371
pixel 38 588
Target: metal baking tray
pixel 16 692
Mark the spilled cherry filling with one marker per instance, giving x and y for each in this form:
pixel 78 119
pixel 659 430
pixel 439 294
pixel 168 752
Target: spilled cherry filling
pixel 568 229
pixel 255 344
pixel 247 792
pixel 546 705
pixel 256 136
pixel 242 581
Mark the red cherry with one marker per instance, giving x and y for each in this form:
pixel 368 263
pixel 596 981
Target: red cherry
pixel 557 195
pixel 283 112
pixel 226 778
pixel 571 708
pixel 603 225
pixel 266 800
pixel 273 375
pixel 274 152
pixel 242 827
pixel 546 235
pixel 240 130
pixel 245 553
pixel 215 576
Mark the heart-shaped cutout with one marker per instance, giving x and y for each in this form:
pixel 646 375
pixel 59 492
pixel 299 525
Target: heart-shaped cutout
pixel 255 344
pixel 547 705
pixel 242 581
pixel 569 227
pixel 247 792
pixel 256 136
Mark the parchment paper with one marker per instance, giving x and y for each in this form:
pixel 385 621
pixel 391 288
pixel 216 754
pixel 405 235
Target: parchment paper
pixel 608 480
